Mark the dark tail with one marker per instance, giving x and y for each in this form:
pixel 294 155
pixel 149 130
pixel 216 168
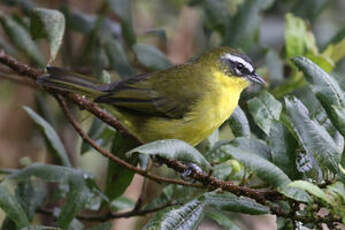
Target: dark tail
pixel 64 80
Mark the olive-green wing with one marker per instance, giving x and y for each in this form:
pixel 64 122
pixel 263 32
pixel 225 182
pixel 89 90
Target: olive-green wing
pixel 164 93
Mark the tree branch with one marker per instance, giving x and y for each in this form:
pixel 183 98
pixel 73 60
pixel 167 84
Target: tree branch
pixel 207 181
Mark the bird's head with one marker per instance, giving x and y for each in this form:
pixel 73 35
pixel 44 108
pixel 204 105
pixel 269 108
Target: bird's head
pixel 234 64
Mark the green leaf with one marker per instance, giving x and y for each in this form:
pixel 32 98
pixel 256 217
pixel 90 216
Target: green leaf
pixel 50 24
pixel 118 176
pixel 21 39
pixel 7 47
pixel 151 57
pixel 79 191
pixel 30 194
pixel 80 21
pixel 263 168
pixel 243 144
pixel 336 51
pixel 265 109
pixel 295 35
pixel 51 135
pixel 323 85
pixel 123 9
pixel 244 27
pixel 118 58
pixel 312 136
pixel 165 197
pixel 339 119
pixel 239 123
pixel 222 220
pixel 94 132
pixel 318 113
pixel 230 202
pixel 222 171
pixel 283 149
pixel 10 205
pixel 51 173
pixel 103 226
pixel 172 149
pixel 188 216
pixel 275 67
pixel 309 9
pixel 25 5
pixel 121 203
pixel 326 89
pixel 217 15
pixel 336 197
pixel 311 188
pixel 75 201
pixel 207 144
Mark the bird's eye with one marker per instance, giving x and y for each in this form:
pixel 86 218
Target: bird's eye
pixel 240 66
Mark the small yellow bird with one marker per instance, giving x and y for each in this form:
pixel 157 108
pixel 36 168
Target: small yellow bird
pixel 186 102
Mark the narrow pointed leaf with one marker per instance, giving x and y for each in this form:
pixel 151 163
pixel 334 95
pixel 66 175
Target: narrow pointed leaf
pixel 283 149
pixel 312 136
pixel 50 24
pixel 75 201
pixel 222 220
pixel 324 86
pixel 118 176
pixel 265 108
pixel 52 137
pixel 21 39
pixel 186 217
pixel 243 144
pixel 121 203
pixel 172 149
pixel 310 188
pixel 309 9
pixel 239 123
pixel 10 205
pixel 326 89
pixel 118 59
pixel 78 181
pixel 123 10
pixel 295 34
pixel 244 26
pixel 263 168
pixel 151 57
pixel 230 202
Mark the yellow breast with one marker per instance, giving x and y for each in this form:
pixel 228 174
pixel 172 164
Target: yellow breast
pixel 205 117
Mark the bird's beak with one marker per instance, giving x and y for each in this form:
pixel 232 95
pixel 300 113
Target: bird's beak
pixel 255 78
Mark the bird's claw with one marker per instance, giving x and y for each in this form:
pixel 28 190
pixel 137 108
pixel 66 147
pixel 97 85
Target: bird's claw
pixel 189 170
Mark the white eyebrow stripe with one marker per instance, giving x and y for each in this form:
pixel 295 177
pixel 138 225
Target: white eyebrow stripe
pixel 234 58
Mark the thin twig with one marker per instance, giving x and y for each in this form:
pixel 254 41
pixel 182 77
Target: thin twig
pixel 19 80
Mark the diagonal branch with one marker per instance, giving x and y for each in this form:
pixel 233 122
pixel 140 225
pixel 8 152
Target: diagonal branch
pixel 206 180
pixel 110 156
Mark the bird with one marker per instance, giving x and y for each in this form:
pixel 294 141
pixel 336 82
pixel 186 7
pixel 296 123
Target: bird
pixel 186 102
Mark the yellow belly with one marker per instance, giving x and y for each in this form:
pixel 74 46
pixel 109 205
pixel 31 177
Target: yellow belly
pixel 206 116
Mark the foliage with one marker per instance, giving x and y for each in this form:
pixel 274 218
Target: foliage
pixel 288 138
